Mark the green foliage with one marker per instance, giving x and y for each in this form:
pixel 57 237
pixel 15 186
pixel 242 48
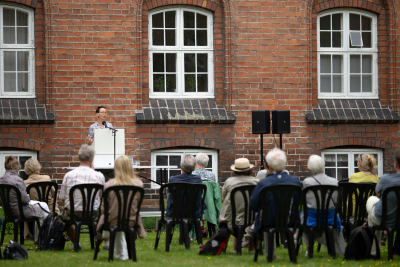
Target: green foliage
pixel 9 226
pixel 149 223
pixel 159 82
pixel 190 82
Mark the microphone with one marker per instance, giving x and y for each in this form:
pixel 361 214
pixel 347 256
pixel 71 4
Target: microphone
pixel 105 124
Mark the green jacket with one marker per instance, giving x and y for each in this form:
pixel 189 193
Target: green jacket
pixel 213 202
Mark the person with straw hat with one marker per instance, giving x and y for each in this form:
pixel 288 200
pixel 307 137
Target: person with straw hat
pixel 242 175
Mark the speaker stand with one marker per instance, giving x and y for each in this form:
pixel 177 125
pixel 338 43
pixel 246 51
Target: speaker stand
pixel 280 139
pixel 262 153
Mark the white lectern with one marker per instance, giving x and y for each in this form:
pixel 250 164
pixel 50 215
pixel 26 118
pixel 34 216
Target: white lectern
pixel 104 147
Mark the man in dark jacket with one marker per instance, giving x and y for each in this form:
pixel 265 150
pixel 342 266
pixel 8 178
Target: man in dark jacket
pixel 276 160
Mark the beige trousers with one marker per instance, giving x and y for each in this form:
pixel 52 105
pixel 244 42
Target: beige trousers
pixel 372 220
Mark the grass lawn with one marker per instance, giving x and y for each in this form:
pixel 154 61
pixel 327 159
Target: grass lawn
pixel 178 256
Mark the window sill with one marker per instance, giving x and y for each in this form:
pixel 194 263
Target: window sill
pixel 351 111
pixel 184 111
pixel 24 111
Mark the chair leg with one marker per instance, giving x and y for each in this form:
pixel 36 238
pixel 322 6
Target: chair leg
pixel 270 245
pixel 239 240
pixel 128 244
pixel 132 237
pixel 199 236
pixel 291 247
pixel 3 232
pixel 168 236
pixel 283 240
pixel 277 240
pixel 319 247
pixel 77 234
pixel 331 243
pixel 255 240
pixel 186 234
pixel 21 233
pixel 299 241
pixel 158 234
pixel 390 236
pixel 97 249
pixel 311 242
pixel 112 245
pixel 16 232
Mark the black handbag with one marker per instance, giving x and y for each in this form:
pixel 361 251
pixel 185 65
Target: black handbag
pixel 15 251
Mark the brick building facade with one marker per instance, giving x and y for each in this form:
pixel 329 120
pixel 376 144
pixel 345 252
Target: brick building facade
pixel 295 55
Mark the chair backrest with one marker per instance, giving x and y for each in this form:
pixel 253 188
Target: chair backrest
pixel 125 196
pixel 361 191
pixel 6 192
pixel 89 192
pixel 184 196
pixel 394 190
pixel 43 190
pixel 285 200
pixel 323 195
pixel 244 192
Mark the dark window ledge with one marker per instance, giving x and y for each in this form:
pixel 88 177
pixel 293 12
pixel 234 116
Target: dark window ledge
pixel 184 111
pixel 24 111
pixel 351 111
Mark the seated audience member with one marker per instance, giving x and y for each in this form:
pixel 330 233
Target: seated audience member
pixel 242 175
pixel 201 163
pixel 374 204
pixel 276 160
pixel 316 165
pixel 32 169
pixel 84 174
pixel 123 176
pixel 11 177
pixel 368 170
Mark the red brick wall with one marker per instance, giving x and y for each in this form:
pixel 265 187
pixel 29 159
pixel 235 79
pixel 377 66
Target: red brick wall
pixel 265 58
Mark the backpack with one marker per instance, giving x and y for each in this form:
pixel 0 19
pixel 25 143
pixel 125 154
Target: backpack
pixel 15 251
pixel 217 243
pixel 51 234
pixel 360 244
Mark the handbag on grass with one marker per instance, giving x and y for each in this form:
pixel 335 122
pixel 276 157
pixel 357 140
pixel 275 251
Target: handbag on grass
pixel 15 251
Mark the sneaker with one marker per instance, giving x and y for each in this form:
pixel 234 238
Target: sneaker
pixel 245 242
pixel 73 246
pixel 106 247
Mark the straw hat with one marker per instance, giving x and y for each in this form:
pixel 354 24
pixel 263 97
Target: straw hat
pixel 241 165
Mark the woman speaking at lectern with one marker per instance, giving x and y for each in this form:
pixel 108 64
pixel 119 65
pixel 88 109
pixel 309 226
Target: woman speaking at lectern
pixel 101 114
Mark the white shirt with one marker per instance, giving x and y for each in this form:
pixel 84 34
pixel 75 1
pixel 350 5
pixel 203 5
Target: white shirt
pixel 81 175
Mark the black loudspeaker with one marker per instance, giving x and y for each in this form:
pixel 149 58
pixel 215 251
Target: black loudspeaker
pixel 260 121
pixel 280 121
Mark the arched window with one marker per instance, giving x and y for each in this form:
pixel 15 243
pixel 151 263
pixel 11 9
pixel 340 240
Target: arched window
pixel 181 53
pixel 347 54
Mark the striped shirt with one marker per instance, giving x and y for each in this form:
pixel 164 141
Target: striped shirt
pixel 96 126
pixel 80 175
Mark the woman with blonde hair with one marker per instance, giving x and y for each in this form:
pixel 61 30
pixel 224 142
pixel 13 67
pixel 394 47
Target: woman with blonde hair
pixel 124 175
pixel 367 167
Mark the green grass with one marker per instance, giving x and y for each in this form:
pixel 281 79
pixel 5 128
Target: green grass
pixel 179 256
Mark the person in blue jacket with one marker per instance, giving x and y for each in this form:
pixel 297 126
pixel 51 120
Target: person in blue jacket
pixel 276 160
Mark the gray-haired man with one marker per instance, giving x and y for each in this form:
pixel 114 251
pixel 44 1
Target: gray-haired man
pixel 201 163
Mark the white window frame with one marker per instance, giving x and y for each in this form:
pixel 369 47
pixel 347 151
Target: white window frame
pixel 346 51
pixel 180 50
pixel 15 153
pixel 351 152
pixel 180 152
pixel 19 47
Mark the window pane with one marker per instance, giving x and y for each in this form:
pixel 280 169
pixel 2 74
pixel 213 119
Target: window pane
pixel 22 18
pixel 158 37
pixel 157 20
pixel 158 62
pixel 337 83
pixel 355 38
pixel 330 160
pixel 10 61
pixel 171 83
pixel 325 84
pixel 355 84
pixel 337 63
pixel 158 83
pixel 9 35
pixel 22 61
pixel 355 65
pixel 342 160
pixel 10 82
pixel 367 64
pixel 188 37
pixel 22 35
pixel 367 39
pixel 209 165
pixel 22 82
pixel 188 19
pixel 330 172
pixel 336 39
pixel 8 17
pixel 367 83
pixel 355 22
pixel 336 21
pixel 366 23
pixel 201 21
pixel 175 160
pixel 325 22
pixel 325 63
pixel 170 19
pixel 174 172
pixel 171 62
pixel 342 174
pixel 170 37
pixel 325 39
pixel 201 38
pixel 190 83
pixel 202 62
pixel 202 83
pixel 190 63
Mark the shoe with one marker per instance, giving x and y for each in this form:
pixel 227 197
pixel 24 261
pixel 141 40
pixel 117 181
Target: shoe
pixel 251 252
pixel 306 255
pixel 245 242
pixel 72 247
pixel 106 247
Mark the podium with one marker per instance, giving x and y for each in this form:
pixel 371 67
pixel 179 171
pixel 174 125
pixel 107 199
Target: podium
pixel 107 144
